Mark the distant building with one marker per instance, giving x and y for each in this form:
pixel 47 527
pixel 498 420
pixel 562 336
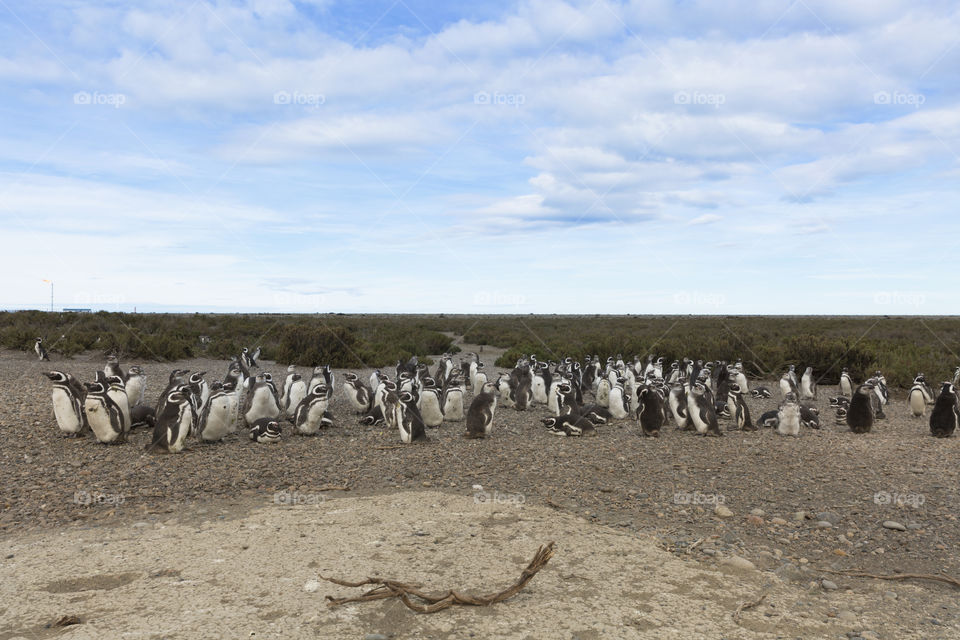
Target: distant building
pixel 65 310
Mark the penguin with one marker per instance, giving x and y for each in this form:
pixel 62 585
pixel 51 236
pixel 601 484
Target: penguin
pixel 409 419
pixel 539 386
pixel 112 368
pixel 619 403
pixel 602 392
pixel 452 403
pixel 118 394
pixel 235 377
pixel 596 414
pixel 761 392
pixel 943 418
pixel 523 396
pixel 430 408
pixel 357 393
pixel 788 384
pixel 840 401
pixel 39 349
pixel 788 416
pixel 504 390
pixel 808 386
pixel 701 410
pixel 135 384
pixel 841 416
pixel 846 383
pixel 479 380
pixel 649 412
pixel 68 399
pixel 287 380
pixel 103 415
pixel 260 402
pixel 917 400
pixel 373 417
pixel 809 416
pixel 309 414
pixel 480 414
pixel 174 423
pixel 329 379
pixel 199 391
pixel 219 415
pixel 770 419
pixel 860 413
pixel 143 415
pixel 266 430
pixel 295 395
pixel 677 403
pixel 569 425
pixel 740 410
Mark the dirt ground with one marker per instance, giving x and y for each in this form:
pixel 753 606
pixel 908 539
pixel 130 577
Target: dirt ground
pixel 223 539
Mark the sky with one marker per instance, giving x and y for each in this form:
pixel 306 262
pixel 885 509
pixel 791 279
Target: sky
pixel 541 156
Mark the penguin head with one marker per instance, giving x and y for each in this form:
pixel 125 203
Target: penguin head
pixel 350 376
pixel 947 389
pixel 319 390
pixel 197 378
pixel 734 388
pixel 296 376
pixel 56 376
pixel 135 370
pixel 488 388
pixel 94 387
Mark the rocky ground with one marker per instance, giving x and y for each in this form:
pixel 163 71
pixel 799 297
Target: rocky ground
pixel 793 507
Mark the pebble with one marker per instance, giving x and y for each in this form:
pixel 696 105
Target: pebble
pixel 829 516
pixel 778 521
pixel 914 526
pixel 846 615
pixel 758 512
pixel 311 586
pixel 799 516
pixel 791 572
pixel 374 636
pixel 894 525
pixel 890 595
pixel 824 524
pixel 736 562
pixel 721 511
pixel 829 585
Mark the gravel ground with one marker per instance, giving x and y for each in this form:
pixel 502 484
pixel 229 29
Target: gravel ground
pixel 846 486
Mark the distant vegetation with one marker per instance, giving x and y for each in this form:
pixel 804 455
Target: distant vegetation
pixel 899 346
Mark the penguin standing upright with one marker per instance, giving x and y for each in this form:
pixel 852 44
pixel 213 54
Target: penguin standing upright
pixel 860 412
pixel 135 384
pixel 174 423
pixel 430 408
pixel 677 402
pixel 261 402
pixel 740 411
pixel 357 393
pixel 287 381
pixel 68 399
pixel 846 383
pixel 808 386
pixel 788 416
pixel 409 420
pixel 649 412
pixel 118 393
pixel 703 414
pixel 619 402
pixel 296 392
pixel 788 384
pixel 945 414
pixel 452 402
pixel 917 400
pixel 39 349
pixel 219 413
pixel 103 415
pixel 309 414
pixel 480 414
pixel 523 396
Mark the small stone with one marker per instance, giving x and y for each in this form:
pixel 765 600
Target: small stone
pixel 311 586
pixel 736 562
pixel 824 524
pixel 890 595
pixel 829 516
pixel 804 561
pixel 778 521
pixel 914 526
pixel 799 516
pixel 374 636
pixel 843 539
pixel 790 572
pixel 846 615
pixel 829 585
pixel 758 512
pixel 754 520
pixel 894 525
pixel 721 511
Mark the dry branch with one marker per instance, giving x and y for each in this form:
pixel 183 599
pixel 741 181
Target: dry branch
pixel 437 602
pixel 748 605
pixel 942 577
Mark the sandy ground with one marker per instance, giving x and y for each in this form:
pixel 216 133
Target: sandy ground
pixel 223 573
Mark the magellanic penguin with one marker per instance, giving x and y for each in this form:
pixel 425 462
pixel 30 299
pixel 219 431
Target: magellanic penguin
pixel 219 416
pixel 761 392
pixel 68 398
pixel 112 368
pixel 118 394
pixel 860 412
pixel 39 349
pixel 135 384
pixel 846 383
pixel 409 420
pixel 479 378
pixel 569 425
pixel 943 418
pixel 741 412
pixel 523 394
pixel 808 386
pixel 295 395
pixel 430 408
pixel 701 410
pixel 619 401
pixel 677 402
pixel 287 381
pixel 103 415
pixel 309 414
pixel 357 392
pixel 769 419
pixel 917 400
pixel 788 384
pixel 266 430
pixel 143 415
pixel 260 402
pixel 788 416
pixel 324 375
pixel 649 412
pixel 480 414
pixel 452 402
pixel 174 423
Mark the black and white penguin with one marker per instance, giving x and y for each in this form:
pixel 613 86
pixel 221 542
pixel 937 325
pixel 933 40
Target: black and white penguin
pixel 39 349
pixel 430 408
pixel 808 386
pixel 649 411
pixel 104 416
pixel 761 392
pixel 287 381
pixel 700 408
pixel 174 423
pixel 569 425
pixel 677 403
pixel 841 415
pixel 452 402
pixel 295 395
pixel 409 420
pixel 143 415
pixel 740 410
pixel 373 417
pixel 235 377
pixel 788 416
pixel 219 415
pixel 261 402
pixel 945 414
pixel 310 413
pixel 118 393
pixel 917 399
pixel 112 368
pixel 769 419
pixel 266 430
pixel 357 392
pixel 788 384
pixel 68 399
pixel 480 414
pixel 479 378
pixel 846 383
pixel 860 413
pixel 199 391
pixel 135 384
pixel 619 402
pixel 523 394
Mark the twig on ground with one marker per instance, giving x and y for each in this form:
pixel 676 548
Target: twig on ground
pixel 743 606
pixel 855 573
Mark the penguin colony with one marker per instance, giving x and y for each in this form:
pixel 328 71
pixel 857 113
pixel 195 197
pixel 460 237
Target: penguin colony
pixel 693 395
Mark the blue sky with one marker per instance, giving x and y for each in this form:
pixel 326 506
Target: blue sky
pixel 501 157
